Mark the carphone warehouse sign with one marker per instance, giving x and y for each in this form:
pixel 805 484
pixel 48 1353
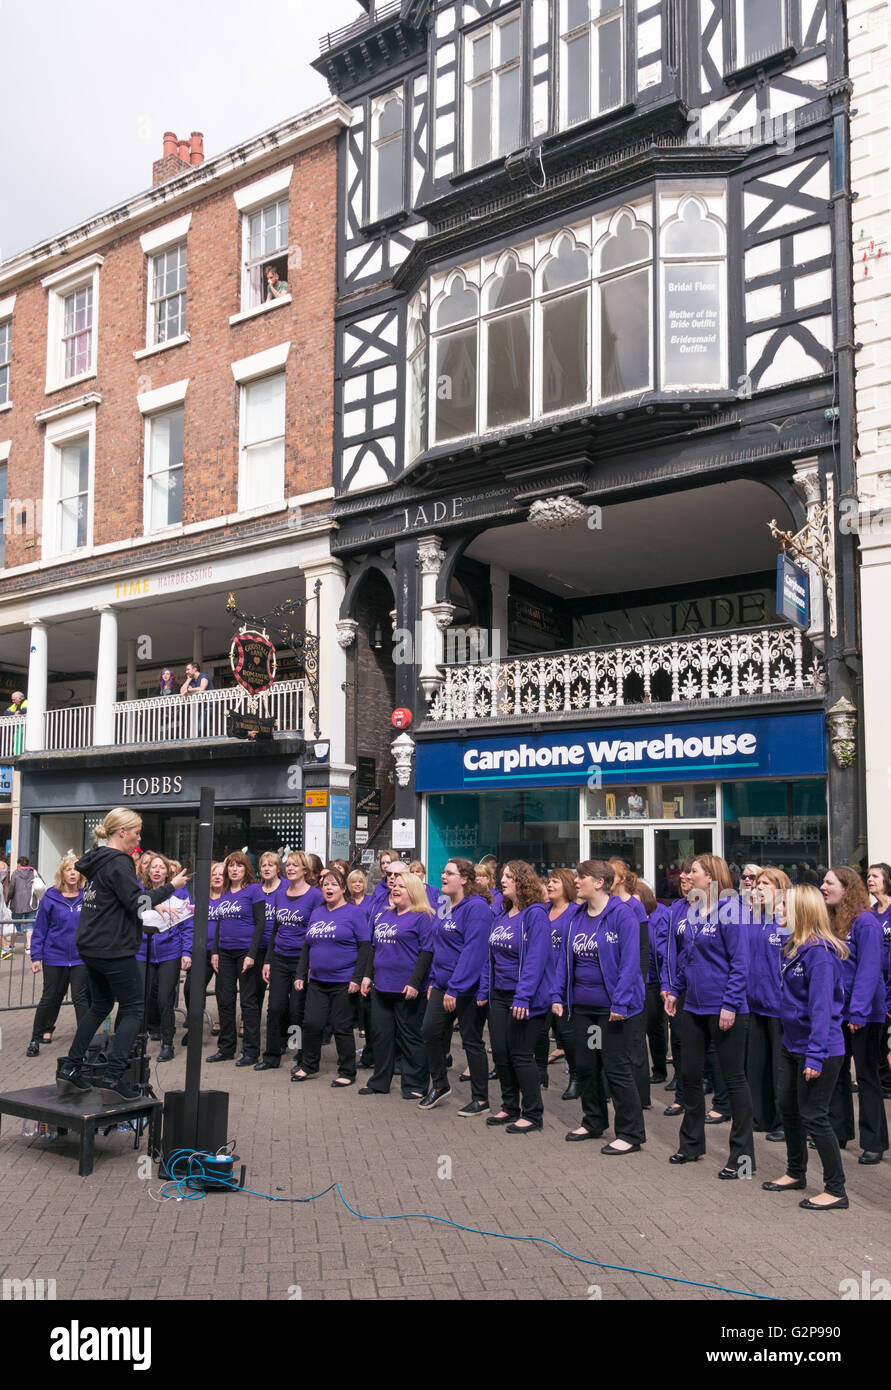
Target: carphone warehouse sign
pixel 777 745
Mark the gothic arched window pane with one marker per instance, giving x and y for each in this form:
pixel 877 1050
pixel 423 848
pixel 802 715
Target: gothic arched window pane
pixel 569 267
pixel 564 324
pixel 692 234
pixel 509 369
pixel 459 304
pixel 625 317
pixel 513 286
pixel 627 245
pixel 454 385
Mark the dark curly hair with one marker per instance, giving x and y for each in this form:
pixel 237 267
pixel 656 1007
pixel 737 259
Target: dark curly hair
pixel 855 900
pixel 467 870
pixel 530 888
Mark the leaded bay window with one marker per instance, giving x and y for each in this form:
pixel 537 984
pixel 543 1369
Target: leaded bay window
pixel 591 58
pixel 492 91
pixel 570 319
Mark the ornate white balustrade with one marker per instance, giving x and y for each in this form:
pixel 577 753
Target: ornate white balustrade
pixel 165 718
pixel 715 666
pixel 12 735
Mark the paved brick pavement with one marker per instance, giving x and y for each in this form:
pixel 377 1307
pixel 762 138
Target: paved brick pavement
pixel 108 1237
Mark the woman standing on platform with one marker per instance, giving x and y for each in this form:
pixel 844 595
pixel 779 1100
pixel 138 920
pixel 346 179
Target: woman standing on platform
pixel 601 988
pixel 241 918
pixel 168 950
pixel 53 951
pixel 714 972
pixel 107 939
pixel 334 960
pixel 767 941
pixel 295 902
pixel 518 985
pixel 864 1013
pixel 562 907
pixel 812 1051
pixel 402 952
pixel 217 875
pixel 460 939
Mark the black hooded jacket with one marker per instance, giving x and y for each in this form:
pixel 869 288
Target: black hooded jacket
pixel 109 926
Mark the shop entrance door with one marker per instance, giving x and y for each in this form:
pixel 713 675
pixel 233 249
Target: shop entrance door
pixel 654 852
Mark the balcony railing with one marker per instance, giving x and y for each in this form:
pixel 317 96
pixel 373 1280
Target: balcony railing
pixel 740 665
pixel 165 718
pixel 358 26
pixel 12 735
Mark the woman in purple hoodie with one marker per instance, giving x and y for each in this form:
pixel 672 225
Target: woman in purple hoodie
pixel 864 1015
pixel 53 950
pixel 168 950
pixel 713 970
pixel 812 1052
pixel 601 986
pixel 767 939
pixel 518 985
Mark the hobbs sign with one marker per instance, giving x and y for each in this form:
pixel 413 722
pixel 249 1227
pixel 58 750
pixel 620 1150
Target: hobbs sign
pixel 151 786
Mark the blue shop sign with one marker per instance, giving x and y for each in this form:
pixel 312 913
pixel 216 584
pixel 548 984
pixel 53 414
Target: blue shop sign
pixel 773 745
pixel 5 779
pixel 793 593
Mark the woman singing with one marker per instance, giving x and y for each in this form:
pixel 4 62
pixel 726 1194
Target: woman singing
pixel 402 952
pixel 767 940
pixel 295 902
pixel 334 960
pixel 53 951
pixel 241 918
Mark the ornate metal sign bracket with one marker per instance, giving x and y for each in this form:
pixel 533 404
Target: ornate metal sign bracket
pixel 304 645
pixel 815 543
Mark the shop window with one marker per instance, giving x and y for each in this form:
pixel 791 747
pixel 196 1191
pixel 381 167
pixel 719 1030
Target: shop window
pixel 779 824
pixel 652 801
pixel 591 58
pixel 565 315
pixel 540 827
pixel 625 317
pixel 693 294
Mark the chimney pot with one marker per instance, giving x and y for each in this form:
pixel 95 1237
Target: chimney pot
pixel 184 151
pixel 196 145
pixel 169 143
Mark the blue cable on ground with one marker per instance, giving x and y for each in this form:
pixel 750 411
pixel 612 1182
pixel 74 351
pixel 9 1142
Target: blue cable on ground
pixel 185 1188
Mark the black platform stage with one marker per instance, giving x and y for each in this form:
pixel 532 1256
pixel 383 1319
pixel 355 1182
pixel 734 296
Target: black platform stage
pixel 84 1114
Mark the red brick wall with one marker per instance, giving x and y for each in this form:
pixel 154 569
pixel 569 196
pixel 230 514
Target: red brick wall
pixel 210 475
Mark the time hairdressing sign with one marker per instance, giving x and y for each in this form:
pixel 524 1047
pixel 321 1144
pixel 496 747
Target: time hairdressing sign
pixel 777 745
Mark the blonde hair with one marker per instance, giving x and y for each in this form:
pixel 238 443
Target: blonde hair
pixel 70 859
pixel 357 873
pixel 775 877
pixel 808 918
pixel 487 872
pixel 121 818
pixel 417 893
pixel 276 859
pixel 301 858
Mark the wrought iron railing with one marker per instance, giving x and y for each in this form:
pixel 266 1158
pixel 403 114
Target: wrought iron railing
pixel 739 665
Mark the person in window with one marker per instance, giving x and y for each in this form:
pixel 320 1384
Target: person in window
pixel 53 950
pixel 275 288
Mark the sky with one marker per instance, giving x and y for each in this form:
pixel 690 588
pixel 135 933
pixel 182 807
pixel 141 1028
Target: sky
pixel 90 86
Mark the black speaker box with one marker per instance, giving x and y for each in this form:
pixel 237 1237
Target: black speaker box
pixel 213 1123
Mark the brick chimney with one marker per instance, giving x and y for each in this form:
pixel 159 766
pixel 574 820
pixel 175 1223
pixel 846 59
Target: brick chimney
pixel 178 156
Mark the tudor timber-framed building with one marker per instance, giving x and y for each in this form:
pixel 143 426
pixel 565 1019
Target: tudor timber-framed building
pixel 593 336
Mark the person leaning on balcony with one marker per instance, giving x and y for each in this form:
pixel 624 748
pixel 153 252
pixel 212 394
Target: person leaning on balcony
pixel 19 705
pixel 166 683
pixel 196 683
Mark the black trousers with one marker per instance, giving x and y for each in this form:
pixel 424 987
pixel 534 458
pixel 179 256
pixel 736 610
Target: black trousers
pixel 563 1035
pixel 261 983
pixel 657 1029
pixel 187 987
pixel 514 1041
pixel 286 1008
pixel 56 979
pixel 605 1055
pixel 865 1047
pixel 697 1031
pixel 230 978
pixel 804 1111
pixel 329 1003
pixel 111 981
pixel 163 985
pixel 674 1037
pixel 720 1094
pixel 437 1034
pixel 395 1019
pixel 763 1048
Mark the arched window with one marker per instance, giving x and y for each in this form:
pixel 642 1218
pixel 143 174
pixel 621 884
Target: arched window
pixel 509 345
pixel 416 412
pixel 565 334
pixel 388 162
pixel 693 290
pixel 454 384
pixel 624 315
pixel 692 232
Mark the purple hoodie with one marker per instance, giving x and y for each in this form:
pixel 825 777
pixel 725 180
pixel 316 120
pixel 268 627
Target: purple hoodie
pixel 560 926
pixel 766 944
pixel 657 930
pixel 460 942
pixel 885 919
pixel 521 958
pixel 600 967
pixel 270 900
pixel 862 971
pixel 169 944
pixel 713 968
pixel 670 942
pixel 811 1003
pixel 52 941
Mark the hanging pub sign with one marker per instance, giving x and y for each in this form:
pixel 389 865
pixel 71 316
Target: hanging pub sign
pixel 252 658
pixel 793 593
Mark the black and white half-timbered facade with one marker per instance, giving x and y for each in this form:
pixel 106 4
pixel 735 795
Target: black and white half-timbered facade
pixel 593 338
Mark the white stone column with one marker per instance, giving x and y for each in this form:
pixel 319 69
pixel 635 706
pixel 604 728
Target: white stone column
pixel 106 676
pixel 198 646
pixel 430 558
pixel 322 616
pixel 131 668
pixel 499 584
pixel 35 738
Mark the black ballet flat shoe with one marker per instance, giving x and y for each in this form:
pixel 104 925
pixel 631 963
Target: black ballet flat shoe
pixel 523 1129
pixel 572 1138
pixel 610 1152
pixel 841 1203
pixel 869 1157
pixel 370 1091
pixel 717 1119
pixel 797 1186
pixel 501 1119
pixel 340 1083
pixel 729 1174
pixel 673 1110
pixel 464 1077
pixel 684 1158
